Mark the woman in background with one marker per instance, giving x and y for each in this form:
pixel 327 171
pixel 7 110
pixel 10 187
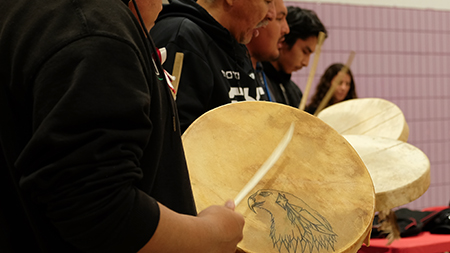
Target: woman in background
pixel 345 90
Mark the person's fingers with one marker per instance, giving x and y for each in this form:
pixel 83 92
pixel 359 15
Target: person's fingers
pixel 230 204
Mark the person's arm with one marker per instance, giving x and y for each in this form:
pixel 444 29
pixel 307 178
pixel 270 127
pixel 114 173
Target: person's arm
pixel 216 229
pixel 90 128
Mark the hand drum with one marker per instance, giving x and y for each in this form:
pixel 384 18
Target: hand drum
pixel 318 196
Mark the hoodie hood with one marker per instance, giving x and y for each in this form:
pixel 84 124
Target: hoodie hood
pixel 197 14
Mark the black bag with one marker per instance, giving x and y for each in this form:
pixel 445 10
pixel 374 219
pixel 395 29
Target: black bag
pixel 440 223
pixel 410 222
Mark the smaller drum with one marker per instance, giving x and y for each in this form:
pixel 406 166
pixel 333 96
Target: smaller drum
pixel 400 171
pixel 367 116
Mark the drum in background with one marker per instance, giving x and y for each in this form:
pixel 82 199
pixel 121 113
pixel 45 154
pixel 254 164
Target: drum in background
pixel 400 171
pixel 318 196
pixel 367 116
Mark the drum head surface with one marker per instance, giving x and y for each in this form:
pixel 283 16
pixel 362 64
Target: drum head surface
pixel 318 196
pixel 367 116
pixel 400 171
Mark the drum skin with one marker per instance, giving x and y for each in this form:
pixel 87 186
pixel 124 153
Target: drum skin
pixel 367 116
pixel 318 196
pixel 400 171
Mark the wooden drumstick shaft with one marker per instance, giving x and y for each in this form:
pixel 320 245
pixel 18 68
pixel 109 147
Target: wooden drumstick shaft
pixel 334 84
pixel 321 39
pixel 266 165
pixel 177 67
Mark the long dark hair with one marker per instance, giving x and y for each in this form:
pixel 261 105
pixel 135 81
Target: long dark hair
pixel 324 85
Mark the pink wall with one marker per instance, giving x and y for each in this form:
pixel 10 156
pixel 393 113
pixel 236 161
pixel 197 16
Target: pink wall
pixel 402 55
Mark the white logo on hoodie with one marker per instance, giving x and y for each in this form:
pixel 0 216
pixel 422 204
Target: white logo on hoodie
pixel 231 74
pixel 237 92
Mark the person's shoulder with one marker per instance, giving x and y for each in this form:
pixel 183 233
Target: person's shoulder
pixel 182 32
pixel 293 86
pixel 117 20
pixel 37 37
pixel 177 26
pixel 288 84
pixel 99 18
pixel 112 23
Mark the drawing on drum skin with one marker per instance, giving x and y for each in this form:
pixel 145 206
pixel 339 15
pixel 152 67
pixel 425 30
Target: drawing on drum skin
pixel 294 227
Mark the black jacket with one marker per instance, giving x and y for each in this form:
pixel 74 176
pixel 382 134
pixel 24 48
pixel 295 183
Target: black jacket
pixel 282 88
pixel 216 70
pixel 89 135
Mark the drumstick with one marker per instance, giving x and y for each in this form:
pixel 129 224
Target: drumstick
pixel 177 66
pixel 334 84
pixel 313 71
pixel 266 165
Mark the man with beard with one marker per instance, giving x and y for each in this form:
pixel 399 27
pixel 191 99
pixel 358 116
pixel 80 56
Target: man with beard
pixel 266 44
pixel 211 34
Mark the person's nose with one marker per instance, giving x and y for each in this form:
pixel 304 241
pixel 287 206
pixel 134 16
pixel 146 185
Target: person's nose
pixel 305 61
pixel 284 27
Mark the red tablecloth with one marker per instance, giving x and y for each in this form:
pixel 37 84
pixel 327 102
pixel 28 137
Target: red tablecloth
pixel 422 243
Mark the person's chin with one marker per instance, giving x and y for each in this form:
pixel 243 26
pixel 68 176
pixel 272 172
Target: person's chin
pixel 295 70
pixel 339 99
pixel 275 56
pixel 246 38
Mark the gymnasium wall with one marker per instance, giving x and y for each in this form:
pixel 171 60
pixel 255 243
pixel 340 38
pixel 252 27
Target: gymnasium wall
pixel 421 4
pixel 402 55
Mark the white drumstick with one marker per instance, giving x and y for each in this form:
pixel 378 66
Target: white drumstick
pixel 321 38
pixel 266 165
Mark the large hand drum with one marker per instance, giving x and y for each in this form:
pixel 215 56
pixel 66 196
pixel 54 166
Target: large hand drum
pixel 318 196
pixel 367 116
pixel 400 171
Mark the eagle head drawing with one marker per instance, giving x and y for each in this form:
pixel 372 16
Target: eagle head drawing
pixel 294 226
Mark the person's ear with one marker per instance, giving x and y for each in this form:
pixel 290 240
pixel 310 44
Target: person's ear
pixel 231 2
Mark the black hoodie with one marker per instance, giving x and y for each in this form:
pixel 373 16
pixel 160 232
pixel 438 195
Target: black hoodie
pixel 89 135
pixel 283 89
pixel 216 70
